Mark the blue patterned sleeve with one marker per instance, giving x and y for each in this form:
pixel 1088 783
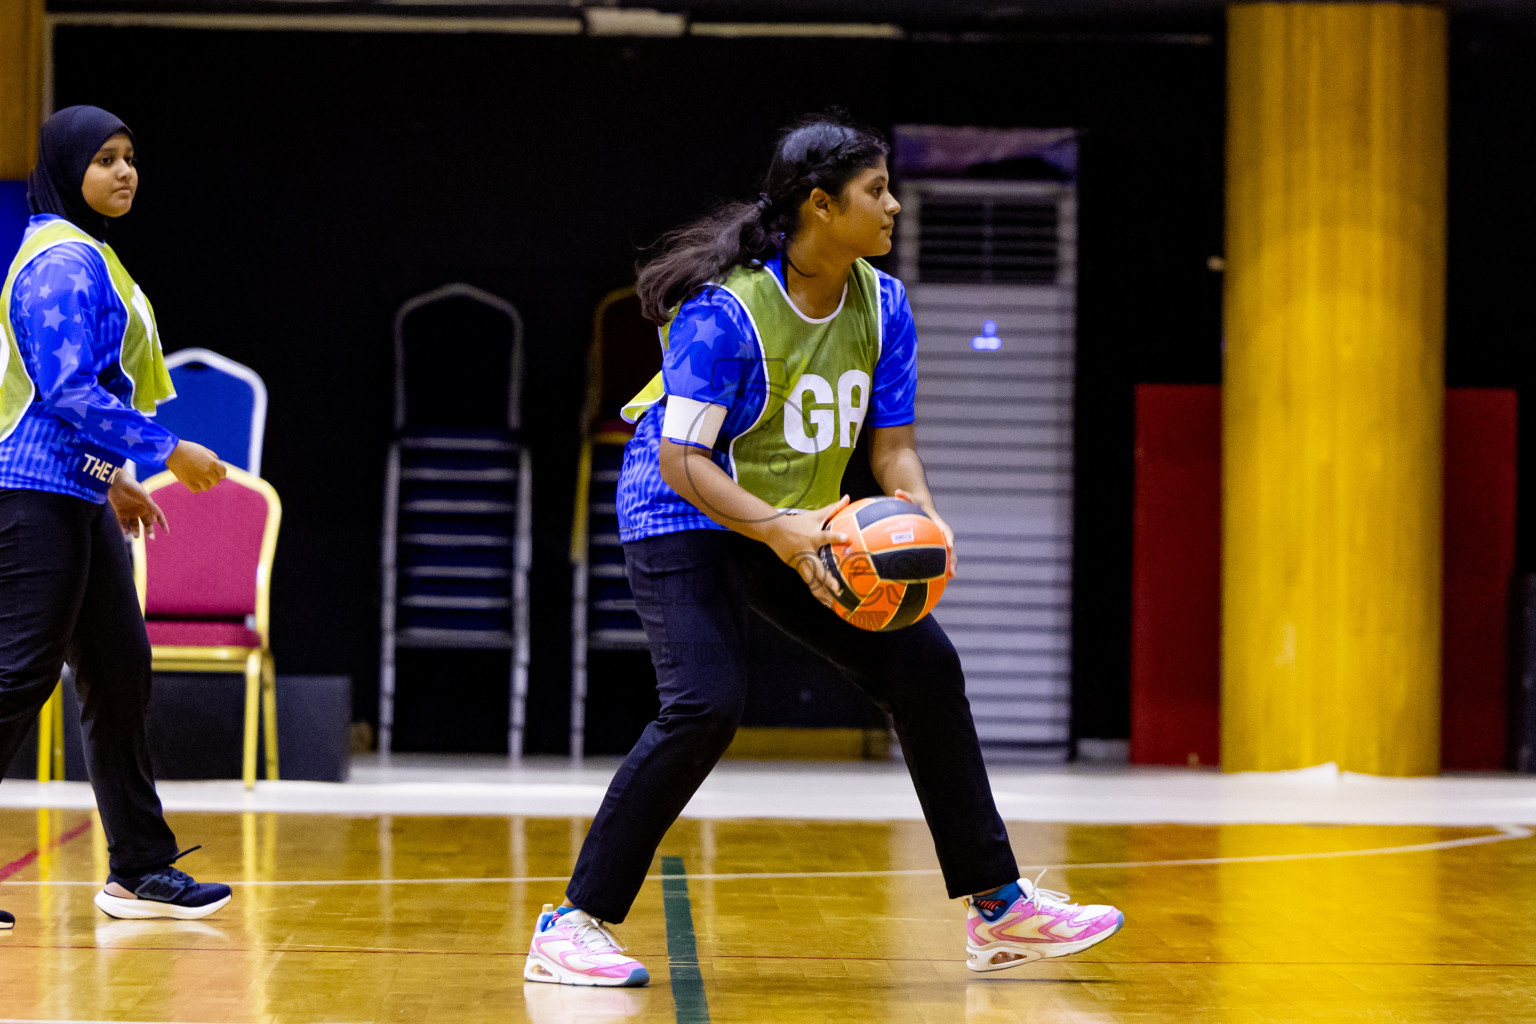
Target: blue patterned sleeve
pixel 710 349
pixel 57 321
pixel 895 384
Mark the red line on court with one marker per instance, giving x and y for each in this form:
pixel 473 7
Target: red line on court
pixel 21 862
pixel 285 950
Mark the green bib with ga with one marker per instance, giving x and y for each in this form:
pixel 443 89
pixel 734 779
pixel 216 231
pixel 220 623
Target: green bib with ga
pixel 818 376
pixel 142 359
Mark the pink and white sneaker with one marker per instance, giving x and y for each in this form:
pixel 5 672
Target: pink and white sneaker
pixel 574 948
pixel 1038 924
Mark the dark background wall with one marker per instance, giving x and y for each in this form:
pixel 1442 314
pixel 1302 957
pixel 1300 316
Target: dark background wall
pixel 1490 318
pixel 297 187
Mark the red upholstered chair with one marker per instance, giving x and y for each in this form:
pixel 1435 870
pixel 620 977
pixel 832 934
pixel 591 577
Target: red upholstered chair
pixel 204 585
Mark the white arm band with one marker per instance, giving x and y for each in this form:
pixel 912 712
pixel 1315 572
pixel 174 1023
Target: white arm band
pixel 691 422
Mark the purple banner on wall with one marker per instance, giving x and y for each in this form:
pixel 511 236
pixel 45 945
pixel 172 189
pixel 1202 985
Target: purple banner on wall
pixel 945 151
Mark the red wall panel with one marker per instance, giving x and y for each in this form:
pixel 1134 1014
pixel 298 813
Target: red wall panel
pixel 1176 575
pixel 1480 470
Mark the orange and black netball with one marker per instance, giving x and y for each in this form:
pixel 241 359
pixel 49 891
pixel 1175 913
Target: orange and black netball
pixel 892 567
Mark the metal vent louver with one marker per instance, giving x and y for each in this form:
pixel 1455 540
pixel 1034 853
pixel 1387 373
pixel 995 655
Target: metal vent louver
pixel 989 240
pixel 991 276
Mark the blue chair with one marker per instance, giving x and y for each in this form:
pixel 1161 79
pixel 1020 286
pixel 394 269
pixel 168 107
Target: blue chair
pixel 219 403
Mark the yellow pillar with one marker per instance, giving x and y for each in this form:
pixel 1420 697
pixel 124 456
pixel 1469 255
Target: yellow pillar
pixel 21 85
pixel 1333 391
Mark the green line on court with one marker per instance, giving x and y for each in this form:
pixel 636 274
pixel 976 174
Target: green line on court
pixel 682 950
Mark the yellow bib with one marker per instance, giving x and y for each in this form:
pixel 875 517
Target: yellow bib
pixel 142 359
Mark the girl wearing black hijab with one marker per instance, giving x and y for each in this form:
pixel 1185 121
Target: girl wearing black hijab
pixel 81 371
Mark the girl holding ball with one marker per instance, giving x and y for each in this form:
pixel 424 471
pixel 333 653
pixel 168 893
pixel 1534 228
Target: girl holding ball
pixel 781 345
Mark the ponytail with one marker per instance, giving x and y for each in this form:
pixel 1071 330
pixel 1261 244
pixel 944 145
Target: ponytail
pixel 695 254
pixel 824 151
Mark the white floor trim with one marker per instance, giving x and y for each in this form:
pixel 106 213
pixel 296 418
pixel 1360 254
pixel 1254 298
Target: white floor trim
pixel 427 784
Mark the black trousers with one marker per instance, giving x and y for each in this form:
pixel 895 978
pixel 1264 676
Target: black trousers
pixel 66 594
pixel 694 591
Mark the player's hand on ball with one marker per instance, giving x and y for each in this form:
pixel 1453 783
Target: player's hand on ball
pixel 796 539
pixel 134 508
pixel 949 535
pixel 195 466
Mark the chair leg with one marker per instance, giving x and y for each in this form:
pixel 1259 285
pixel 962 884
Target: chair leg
pixel 269 710
pixel 252 699
pixel 58 732
pixel 52 708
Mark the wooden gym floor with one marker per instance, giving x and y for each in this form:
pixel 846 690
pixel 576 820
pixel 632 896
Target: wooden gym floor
pixel 391 917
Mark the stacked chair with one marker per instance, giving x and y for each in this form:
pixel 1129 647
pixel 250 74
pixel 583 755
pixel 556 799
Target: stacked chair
pixel 205 584
pixel 458 504
pixel 622 358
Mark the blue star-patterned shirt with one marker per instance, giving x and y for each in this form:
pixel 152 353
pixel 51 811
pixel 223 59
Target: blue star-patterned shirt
pixel 713 357
pixel 68 321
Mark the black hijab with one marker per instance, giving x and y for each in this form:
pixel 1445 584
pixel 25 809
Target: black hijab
pixel 68 141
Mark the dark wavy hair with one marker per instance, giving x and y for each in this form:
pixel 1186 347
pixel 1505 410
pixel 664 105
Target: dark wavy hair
pixel 824 151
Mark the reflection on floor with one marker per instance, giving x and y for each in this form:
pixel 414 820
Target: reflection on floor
pixel 383 916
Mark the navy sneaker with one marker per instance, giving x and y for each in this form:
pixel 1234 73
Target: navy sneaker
pixel 7 921
pixel 165 892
